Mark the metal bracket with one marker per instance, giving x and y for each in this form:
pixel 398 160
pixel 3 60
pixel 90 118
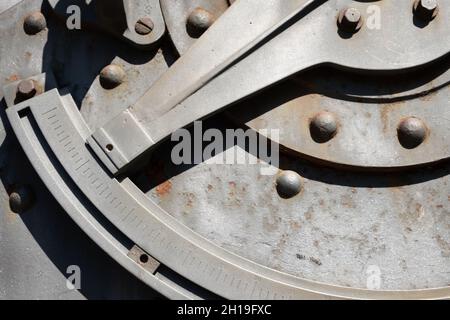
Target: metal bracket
pixel 307 36
pixel 138 22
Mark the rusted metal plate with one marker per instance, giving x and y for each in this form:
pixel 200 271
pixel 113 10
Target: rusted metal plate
pixel 340 225
pixel 366 136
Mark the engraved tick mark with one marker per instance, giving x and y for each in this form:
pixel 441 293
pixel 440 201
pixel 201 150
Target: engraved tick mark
pixel 47 112
pixel 82 165
pixel 63 139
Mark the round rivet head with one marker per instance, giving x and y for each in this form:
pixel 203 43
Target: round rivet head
pixel 112 76
pixel 21 199
pixel 26 90
pixel 426 10
pixel 350 20
pixel 288 184
pixel 411 132
pixel 34 23
pixel 199 20
pixel 323 127
pixel 144 26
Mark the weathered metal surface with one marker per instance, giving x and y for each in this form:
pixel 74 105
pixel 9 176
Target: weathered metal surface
pixel 366 135
pixel 138 22
pixel 127 208
pixel 39 245
pixel 177 13
pixel 181 81
pixel 277 58
pixel 317 229
pixel 340 224
pixel 6 4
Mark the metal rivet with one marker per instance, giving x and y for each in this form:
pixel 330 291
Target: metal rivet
pixel 144 26
pixel 350 20
pixel 112 76
pixel 26 90
pixel 143 258
pixel 288 184
pixel 323 127
pixel 426 10
pixel 199 21
pixel 34 23
pixel 21 199
pixel 411 132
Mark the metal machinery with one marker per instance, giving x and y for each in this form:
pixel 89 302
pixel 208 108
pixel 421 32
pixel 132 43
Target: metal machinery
pixel 359 207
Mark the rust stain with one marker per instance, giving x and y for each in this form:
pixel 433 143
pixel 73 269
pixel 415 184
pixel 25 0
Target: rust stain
pixel 13 78
pixel 347 201
pixel 232 186
pixel 444 245
pixel 190 197
pixel 386 111
pixel 309 214
pixel 295 225
pixel 271 224
pixel 164 188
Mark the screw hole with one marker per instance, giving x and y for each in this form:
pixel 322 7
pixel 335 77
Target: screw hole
pixel 143 258
pixel 109 147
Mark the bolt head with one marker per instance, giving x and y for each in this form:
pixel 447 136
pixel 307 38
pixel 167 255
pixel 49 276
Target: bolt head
pixel 144 26
pixel 288 184
pixel 112 76
pixel 323 127
pixel 21 199
pixel 350 20
pixel 26 90
pixel 426 10
pixel 412 132
pixel 199 20
pixel 34 23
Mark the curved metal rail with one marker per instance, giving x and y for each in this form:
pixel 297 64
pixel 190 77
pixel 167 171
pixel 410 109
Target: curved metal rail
pixel 123 204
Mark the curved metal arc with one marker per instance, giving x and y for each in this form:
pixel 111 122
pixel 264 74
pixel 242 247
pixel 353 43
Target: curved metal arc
pixel 165 238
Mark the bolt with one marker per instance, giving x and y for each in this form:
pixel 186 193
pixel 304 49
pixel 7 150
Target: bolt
pixel 26 90
pixel 34 23
pixel 21 199
pixel 288 184
pixel 199 21
pixel 411 132
pixel 426 10
pixel 144 26
pixel 350 20
pixel 323 127
pixel 112 76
